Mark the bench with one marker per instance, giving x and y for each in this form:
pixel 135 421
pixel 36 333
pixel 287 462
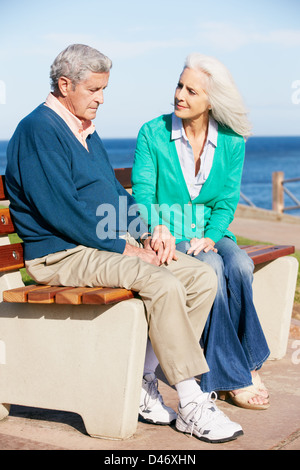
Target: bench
pixel 83 349
pixel 78 350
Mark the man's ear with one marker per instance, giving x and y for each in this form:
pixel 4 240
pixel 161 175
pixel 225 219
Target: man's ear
pixel 64 85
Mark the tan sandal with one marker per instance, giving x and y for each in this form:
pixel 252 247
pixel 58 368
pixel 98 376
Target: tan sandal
pixel 242 398
pixel 259 385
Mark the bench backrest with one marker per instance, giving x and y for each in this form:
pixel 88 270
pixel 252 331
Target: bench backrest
pixel 11 256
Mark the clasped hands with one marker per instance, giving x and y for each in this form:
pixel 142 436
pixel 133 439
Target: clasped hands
pixel 160 248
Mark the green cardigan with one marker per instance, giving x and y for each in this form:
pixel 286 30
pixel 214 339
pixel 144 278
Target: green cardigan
pixel 160 189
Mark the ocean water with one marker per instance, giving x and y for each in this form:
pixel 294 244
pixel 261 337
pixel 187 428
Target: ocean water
pixel 264 155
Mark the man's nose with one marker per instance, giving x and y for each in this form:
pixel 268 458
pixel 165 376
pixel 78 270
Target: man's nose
pixel 99 97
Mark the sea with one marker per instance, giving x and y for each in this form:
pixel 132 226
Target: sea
pixel 264 155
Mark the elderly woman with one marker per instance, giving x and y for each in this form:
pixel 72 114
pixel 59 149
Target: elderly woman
pixel 186 177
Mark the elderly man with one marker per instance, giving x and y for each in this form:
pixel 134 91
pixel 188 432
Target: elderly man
pixel 59 179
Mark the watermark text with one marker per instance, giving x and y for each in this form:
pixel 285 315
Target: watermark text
pixel 116 221
pixel 296 93
pixel 296 353
pixel 2 92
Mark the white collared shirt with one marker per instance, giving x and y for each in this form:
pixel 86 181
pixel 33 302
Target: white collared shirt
pixel 80 129
pixel 186 155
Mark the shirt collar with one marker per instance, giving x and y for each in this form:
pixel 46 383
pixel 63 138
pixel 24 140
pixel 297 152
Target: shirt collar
pixel 79 128
pixel 178 131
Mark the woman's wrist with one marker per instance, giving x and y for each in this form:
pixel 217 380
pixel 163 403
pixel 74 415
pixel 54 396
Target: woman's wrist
pixel 145 237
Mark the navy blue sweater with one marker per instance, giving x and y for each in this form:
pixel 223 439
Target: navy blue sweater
pixel 61 194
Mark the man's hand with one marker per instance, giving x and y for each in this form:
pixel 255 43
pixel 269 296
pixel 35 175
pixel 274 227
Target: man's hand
pixel 146 254
pixel 201 244
pixel 158 249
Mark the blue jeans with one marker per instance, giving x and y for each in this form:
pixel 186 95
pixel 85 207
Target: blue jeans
pixel 233 340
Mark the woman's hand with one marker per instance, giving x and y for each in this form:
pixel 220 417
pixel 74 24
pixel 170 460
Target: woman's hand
pixel 201 244
pixel 158 249
pixel 163 243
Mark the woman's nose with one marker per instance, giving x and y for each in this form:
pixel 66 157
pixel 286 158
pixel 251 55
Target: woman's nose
pixel 179 95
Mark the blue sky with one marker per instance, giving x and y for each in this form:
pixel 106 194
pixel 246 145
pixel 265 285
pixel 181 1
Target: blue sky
pixel 259 41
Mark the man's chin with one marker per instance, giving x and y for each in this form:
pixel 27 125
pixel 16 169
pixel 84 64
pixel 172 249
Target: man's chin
pixel 92 114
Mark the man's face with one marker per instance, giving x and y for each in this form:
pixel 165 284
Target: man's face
pixel 83 101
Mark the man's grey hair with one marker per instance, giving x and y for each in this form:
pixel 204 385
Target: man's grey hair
pixel 76 62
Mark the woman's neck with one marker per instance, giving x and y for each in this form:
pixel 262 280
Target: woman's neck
pixel 196 128
pixel 196 131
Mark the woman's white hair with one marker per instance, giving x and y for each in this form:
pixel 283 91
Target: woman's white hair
pixel 76 62
pixel 226 103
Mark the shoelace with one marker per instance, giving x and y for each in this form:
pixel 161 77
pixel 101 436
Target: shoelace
pixel 204 406
pixel 152 392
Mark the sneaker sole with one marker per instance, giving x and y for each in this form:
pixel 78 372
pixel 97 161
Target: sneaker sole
pixel 160 423
pixel 215 441
pixel 219 441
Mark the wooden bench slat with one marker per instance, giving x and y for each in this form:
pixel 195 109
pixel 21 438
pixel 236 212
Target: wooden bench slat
pixel 11 257
pixel 46 295
pixel 3 195
pixel 251 248
pixel 20 294
pixel 72 296
pixel 264 253
pixel 6 224
pixel 123 175
pixel 107 295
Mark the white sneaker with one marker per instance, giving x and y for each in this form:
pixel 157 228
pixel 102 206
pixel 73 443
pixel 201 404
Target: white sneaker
pixel 152 407
pixel 203 419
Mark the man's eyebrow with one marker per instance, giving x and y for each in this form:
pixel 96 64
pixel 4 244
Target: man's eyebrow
pixel 97 87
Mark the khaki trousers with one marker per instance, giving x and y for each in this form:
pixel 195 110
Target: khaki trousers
pixel 177 297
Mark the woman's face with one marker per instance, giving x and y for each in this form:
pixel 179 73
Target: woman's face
pixel 191 101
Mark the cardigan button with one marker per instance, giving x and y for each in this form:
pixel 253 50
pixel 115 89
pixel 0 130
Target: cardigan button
pixel 193 226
